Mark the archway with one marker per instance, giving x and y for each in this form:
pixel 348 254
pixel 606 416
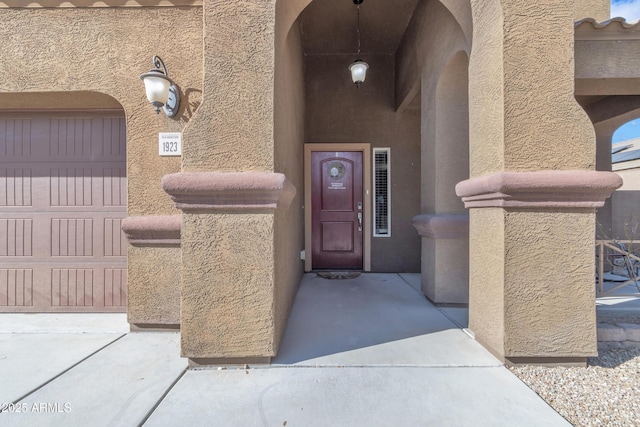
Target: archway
pixel 63 196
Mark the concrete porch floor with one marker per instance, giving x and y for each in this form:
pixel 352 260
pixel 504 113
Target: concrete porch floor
pixel 368 351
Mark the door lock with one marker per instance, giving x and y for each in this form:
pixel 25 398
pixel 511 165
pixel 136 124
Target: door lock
pixel 359 221
pixel 359 206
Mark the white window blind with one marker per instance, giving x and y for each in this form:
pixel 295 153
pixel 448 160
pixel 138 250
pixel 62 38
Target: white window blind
pixel 381 192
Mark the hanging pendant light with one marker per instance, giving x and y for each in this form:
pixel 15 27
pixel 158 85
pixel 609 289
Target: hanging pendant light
pixel 358 68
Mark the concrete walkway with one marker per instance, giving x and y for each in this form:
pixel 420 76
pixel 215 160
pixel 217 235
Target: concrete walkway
pixel 368 351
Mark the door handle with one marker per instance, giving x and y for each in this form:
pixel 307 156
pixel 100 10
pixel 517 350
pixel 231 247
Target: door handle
pixel 359 221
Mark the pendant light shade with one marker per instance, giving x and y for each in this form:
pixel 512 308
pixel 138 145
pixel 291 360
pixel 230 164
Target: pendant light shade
pixel 358 68
pixel 358 72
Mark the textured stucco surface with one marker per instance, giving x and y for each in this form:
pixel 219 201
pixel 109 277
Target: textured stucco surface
pixel 486 90
pixel 338 112
pixel 522 71
pixel 154 285
pixel 233 130
pixel 607 67
pixel 227 307
pixel 549 294
pixel 538 82
pixel 532 294
pixel 106 50
pixel 598 9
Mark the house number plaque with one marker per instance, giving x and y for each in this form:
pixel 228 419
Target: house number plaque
pixel 170 143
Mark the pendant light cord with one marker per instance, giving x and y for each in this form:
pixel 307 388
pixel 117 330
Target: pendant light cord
pixel 358 27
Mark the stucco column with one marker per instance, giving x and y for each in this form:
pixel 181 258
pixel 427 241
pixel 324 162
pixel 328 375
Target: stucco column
pixel 533 189
pixel 227 303
pixel 445 162
pixel 232 307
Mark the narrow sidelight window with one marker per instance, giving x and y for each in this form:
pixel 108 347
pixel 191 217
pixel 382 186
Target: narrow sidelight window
pixel 381 192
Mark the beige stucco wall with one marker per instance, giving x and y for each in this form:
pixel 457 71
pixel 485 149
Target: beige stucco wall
pixel 227 286
pixel 154 286
pixel 105 50
pixel 336 111
pixel 608 66
pixel 597 9
pixel 234 128
pixel 92 58
pixel 551 313
pixel 547 314
pixel 510 73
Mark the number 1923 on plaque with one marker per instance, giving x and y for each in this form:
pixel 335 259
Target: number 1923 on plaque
pixel 170 143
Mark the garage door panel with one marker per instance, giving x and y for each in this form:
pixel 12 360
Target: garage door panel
pixel 115 287
pixel 71 186
pixel 115 242
pixel 72 287
pixel 71 138
pixel 72 237
pixel 16 237
pixel 15 138
pixel 110 136
pixel 16 287
pixel 114 187
pixel 62 201
pixel 15 186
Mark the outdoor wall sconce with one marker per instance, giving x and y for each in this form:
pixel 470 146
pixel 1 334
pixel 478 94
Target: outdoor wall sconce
pixel 160 89
pixel 359 67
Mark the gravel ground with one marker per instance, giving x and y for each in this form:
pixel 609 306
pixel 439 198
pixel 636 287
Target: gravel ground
pixel 605 393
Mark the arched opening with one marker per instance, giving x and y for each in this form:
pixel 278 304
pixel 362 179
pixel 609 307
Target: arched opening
pixel 625 161
pixel 63 196
pixel 316 102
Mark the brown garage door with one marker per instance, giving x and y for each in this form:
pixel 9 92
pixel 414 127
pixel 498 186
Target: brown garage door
pixel 62 200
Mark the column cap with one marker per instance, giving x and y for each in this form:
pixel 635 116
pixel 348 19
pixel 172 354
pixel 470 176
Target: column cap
pixel 229 191
pixel 539 189
pixel 153 230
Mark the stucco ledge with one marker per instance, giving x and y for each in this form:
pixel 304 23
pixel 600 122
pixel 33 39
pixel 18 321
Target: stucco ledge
pixel 153 230
pixel 539 189
pixel 229 191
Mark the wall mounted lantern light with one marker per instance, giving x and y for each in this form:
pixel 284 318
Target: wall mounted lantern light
pixel 160 89
pixel 359 67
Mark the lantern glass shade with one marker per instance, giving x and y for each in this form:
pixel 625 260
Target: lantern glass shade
pixel 358 71
pixel 156 86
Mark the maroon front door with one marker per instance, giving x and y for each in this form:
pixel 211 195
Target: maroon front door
pixel 337 210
